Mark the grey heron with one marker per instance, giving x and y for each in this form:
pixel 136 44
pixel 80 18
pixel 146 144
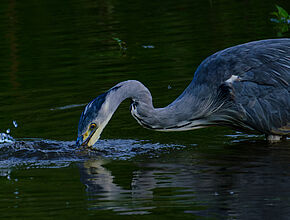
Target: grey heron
pixel 244 87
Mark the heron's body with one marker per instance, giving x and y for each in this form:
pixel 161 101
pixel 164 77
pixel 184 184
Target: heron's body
pixel 245 87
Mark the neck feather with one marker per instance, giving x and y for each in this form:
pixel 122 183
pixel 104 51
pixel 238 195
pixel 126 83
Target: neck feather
pixel 131 89
pixel 187 112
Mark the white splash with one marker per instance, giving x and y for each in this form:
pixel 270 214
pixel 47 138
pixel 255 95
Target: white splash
pixel 6 138
pixel 15 124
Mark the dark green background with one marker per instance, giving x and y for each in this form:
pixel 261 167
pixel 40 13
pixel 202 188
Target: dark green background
pixel 60 53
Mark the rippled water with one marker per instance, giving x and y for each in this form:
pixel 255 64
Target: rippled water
pixel 138 178
pixel 56 56
pixel 54 154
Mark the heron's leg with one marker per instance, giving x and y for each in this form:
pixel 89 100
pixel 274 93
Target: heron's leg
pixel 274 138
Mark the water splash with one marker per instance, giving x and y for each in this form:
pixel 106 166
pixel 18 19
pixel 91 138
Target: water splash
pixel 126 149
pixel 6 137
pixel 15 124
pixel 31 153
pixel 36 153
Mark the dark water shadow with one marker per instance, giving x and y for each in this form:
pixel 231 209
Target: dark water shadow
pixel 246 180
pixel 243 179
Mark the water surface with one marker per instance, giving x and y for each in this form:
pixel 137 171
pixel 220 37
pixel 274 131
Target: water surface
pixel 56 56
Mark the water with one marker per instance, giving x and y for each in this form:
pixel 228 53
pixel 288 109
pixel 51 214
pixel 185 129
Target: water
pixel 56 56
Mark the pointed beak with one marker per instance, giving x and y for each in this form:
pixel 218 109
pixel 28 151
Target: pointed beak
pixel 83 141
pixel 80 141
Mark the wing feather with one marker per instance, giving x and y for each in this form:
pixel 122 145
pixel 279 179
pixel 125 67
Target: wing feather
pixel 262 93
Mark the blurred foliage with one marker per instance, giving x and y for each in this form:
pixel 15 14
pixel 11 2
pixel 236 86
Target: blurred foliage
pixel 281 20
pixel 122 45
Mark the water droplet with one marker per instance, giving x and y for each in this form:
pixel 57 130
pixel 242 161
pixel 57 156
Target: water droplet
pixel 148 46
pixel 15 124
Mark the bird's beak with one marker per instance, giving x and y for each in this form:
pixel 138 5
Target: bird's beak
pixel 87 140
pixel 80 141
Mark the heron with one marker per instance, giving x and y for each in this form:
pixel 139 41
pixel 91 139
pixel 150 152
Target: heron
pixel 244 87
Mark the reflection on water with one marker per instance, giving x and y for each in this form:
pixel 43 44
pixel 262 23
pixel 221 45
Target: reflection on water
pixel 104 193
pixel 245 180
pixel 67 107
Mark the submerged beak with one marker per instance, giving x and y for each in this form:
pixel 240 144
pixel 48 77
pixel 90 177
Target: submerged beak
pixel 80 142
pixel 83 141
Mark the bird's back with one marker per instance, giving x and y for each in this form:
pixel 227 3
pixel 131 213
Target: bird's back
pixel 258 75
pixel 266 61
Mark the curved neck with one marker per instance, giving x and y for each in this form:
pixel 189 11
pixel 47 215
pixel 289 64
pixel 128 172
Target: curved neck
pixel 132 89
pixel 172 117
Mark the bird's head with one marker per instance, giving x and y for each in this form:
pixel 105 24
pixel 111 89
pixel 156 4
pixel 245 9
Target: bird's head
pixel 93 120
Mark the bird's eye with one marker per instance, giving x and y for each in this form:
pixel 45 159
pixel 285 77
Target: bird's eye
pixel 93 126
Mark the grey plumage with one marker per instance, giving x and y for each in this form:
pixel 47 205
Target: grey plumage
pixel 245 87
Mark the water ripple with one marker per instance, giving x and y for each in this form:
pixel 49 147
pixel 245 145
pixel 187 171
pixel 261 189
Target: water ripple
pixel 50 153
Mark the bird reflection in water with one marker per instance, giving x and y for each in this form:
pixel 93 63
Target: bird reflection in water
pixel 241 179
pixel 102 189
